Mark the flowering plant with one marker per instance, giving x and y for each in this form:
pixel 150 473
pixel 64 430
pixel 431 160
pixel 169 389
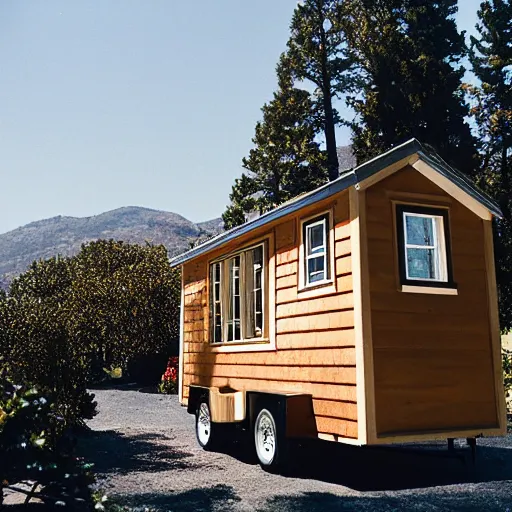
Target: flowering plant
pixel 169 381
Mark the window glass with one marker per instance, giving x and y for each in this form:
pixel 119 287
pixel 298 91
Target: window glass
pixel 233 312
pixel 420 230
pixel 316 238
pixel 316 269
pixel 421 264
pixel 424 246
pixel 215 302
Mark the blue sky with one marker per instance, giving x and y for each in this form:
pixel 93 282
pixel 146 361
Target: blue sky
pixel 109 103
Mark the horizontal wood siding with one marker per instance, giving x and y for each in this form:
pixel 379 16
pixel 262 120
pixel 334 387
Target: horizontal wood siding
pixel 432 353
pixel 314 336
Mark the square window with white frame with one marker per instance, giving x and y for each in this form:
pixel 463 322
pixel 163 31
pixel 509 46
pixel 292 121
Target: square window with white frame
pixel 316 251
pixel 424 253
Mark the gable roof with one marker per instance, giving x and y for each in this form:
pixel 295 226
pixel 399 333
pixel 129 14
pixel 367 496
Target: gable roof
pixel 346 180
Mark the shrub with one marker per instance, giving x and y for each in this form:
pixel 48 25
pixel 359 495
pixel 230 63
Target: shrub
pixel 35 447
pixel 507 372
pixel 169 381
pixel 66 319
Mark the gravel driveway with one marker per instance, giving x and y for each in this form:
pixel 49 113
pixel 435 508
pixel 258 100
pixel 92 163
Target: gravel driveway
pixel 145 453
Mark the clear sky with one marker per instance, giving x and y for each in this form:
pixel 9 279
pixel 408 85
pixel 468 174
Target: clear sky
pixel 109 103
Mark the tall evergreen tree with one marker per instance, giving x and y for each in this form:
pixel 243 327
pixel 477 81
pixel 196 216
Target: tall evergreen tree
pixel 409 52
pixel 286 160
pixel 491 57
pixel 318 54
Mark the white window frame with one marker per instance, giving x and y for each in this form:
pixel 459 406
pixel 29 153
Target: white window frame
pixel 224 262
pixel 322 218
pixel 439 247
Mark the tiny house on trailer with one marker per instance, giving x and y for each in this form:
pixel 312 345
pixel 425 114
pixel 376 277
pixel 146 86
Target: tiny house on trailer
pixel 363 312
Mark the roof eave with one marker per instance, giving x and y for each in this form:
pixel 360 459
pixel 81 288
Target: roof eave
pixel 350 178
pixel 315 196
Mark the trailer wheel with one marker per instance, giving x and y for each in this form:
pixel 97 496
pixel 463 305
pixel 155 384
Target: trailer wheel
pixel 206 432
pixel 269 451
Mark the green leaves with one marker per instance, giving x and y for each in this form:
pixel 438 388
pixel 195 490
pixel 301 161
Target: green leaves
pixel 491 57
pixel 65 319
pixel 286 160
pixel 408 55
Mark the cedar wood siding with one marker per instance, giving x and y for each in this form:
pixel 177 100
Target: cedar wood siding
pixel 315 351
pixel 432 353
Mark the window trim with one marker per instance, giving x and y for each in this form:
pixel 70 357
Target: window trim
pixel 415 285
pixel 264 339
pixel 303 286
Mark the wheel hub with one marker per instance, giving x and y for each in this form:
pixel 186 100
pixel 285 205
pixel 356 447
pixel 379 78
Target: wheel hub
pixel 266 439
pixel 204 423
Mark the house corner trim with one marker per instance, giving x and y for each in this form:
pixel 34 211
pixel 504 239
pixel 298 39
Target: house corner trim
pixel 362 323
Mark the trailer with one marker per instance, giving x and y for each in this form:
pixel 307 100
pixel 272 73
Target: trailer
pixel 364 312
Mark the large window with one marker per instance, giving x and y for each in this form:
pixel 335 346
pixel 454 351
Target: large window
pixel 237 287
pixel 315 240
pixel 424 246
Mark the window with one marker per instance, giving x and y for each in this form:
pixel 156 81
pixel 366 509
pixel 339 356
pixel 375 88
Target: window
pixel 424 246
pixel 315 239
pixel 215 280
pixel 237 286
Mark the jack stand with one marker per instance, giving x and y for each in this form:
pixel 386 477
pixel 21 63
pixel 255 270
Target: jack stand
pixel 472 444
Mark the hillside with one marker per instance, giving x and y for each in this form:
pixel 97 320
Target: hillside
pixel 65 235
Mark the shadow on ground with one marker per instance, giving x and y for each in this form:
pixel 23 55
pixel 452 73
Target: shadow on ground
pixel 114 452
pixel 217 498
pixel 397 468
pixel 390 468
pixel 434 500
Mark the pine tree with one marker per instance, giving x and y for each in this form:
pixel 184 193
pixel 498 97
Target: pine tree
pixel 409 53
pixel 318 54
pixel 286 160
pixel 491 57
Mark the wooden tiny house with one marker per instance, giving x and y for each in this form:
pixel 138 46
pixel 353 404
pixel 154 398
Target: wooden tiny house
pixel 363 312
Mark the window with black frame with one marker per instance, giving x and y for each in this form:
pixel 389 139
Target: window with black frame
pixel 424 250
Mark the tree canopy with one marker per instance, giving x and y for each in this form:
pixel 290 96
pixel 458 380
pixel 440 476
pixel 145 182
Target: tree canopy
pixel 286 159
pixel 409 54
pixel 491 58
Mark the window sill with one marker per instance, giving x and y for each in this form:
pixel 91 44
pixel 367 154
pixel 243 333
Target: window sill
pixel 262 345
pixel 317 289
pixel 429 290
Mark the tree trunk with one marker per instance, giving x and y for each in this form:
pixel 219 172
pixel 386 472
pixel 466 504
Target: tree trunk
pixel 330 134
pixel 330 137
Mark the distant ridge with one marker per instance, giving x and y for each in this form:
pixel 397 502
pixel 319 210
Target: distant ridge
pixel 65 235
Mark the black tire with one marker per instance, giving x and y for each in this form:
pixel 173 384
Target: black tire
pixel 269 442
pixel 210 436
pixel 206 434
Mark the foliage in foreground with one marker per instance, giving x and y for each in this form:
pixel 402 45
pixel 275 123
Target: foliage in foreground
pixel 36 449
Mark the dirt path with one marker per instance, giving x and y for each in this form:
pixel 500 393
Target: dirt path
pixel 145 453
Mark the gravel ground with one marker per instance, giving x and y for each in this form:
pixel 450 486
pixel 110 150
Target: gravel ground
pixel 146 455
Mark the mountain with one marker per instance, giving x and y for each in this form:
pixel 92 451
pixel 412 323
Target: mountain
pixel 65 235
